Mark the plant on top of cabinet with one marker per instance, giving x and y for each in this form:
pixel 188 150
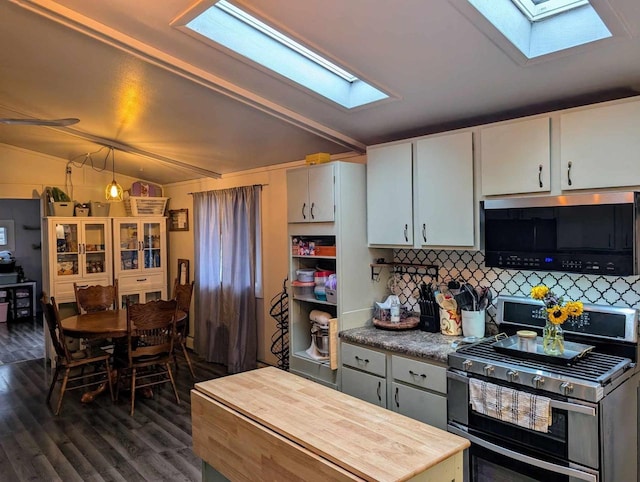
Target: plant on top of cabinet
pixel 310 194
pixel 515 157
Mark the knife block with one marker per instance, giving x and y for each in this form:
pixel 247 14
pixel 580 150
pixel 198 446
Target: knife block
pixel 429 323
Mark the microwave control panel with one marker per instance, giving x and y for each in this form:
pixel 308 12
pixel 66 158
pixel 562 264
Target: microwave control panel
pixel 590 264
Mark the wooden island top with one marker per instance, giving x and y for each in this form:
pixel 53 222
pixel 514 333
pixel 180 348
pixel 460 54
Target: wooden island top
pixel 268 424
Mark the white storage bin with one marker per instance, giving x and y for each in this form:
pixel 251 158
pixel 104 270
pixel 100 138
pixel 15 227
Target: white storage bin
pixel 145 206
pixel 61 209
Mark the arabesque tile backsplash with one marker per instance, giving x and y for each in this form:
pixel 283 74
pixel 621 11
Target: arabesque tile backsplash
pixel 468 266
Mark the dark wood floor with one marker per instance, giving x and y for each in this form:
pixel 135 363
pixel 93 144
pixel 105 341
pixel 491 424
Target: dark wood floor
pixel 21 340
pixel 97 441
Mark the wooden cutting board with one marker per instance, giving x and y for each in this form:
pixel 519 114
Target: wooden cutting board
pixel 358 439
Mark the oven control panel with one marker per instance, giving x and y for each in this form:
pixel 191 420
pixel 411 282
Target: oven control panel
pixel 527 378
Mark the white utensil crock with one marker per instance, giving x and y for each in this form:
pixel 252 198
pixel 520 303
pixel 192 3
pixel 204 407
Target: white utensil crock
pixel 473 323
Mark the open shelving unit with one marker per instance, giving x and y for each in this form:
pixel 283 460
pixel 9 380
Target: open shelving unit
pixel 343 249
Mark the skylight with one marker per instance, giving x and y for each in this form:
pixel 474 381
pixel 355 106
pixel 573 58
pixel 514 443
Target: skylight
pixel 229 26
pixel 539 28
pixel 537 10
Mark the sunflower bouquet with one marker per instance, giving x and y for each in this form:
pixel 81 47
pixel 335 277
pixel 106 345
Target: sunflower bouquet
pixel 557 310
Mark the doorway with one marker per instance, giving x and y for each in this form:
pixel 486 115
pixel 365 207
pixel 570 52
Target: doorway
pixel 21 335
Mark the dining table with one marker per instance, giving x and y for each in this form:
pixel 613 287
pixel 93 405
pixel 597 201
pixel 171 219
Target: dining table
pixel 101 325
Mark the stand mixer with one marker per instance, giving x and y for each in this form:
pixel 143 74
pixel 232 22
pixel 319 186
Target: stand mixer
pixel 319 349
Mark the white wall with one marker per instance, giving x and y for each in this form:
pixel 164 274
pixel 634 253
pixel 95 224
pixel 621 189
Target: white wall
pixel 24 175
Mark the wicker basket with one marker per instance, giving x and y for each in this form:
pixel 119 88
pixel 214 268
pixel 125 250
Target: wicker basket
pixel 145 206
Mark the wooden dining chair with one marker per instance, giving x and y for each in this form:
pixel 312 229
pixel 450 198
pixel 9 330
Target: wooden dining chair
pixel 93 357
pixel 151 331
pixel 182 293
pixel 90 299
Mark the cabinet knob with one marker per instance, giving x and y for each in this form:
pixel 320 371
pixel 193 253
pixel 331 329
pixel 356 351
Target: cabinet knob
pixel 424 232
pixel 406 233
pixel 569 164
pixel 311 211
pixel 396 398
pixel 378 391
pixel 304 206
pixel 365 360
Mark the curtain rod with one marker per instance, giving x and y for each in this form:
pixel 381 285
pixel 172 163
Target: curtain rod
pixel 253 185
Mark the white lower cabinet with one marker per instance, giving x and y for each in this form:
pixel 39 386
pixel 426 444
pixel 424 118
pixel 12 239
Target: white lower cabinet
pixel 364 374
pixel 430 408
pixel 411 387
pixel 370 388
pixel 419 390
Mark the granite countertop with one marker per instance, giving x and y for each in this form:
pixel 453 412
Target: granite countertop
pixel 421 344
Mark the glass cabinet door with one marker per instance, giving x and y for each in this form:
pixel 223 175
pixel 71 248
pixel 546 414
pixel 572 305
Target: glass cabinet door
pixel 152 245
pixel 94 248
pixel 67 252
pixel 129 246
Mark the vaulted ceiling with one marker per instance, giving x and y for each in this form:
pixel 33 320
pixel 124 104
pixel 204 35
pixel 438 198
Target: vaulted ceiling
pixel 178 109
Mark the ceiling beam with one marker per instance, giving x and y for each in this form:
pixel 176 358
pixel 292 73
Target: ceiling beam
pixel 138 152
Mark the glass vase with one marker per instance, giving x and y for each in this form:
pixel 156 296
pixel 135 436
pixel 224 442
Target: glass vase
pixel 552 339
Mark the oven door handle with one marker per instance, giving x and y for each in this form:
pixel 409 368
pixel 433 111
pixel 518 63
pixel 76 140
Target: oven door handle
pixel 568 406
pixel 558 469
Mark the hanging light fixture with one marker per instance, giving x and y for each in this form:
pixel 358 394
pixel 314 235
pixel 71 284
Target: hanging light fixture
pixel 113 191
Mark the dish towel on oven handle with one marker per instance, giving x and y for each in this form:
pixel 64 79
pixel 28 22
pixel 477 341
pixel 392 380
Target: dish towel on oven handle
pixel 513 406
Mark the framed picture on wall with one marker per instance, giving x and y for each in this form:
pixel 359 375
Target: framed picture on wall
pixel 178 220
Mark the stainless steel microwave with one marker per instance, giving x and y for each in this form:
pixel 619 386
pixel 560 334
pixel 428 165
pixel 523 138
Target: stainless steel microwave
pixel 577 233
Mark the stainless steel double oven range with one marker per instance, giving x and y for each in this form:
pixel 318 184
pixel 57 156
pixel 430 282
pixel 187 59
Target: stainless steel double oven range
pixel 593 431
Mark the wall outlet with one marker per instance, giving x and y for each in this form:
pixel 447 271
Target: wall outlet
pixel 68 169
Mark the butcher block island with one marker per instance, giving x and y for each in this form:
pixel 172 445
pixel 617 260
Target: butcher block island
pixel 268 424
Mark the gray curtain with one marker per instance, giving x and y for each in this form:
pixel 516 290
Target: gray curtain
pixel 227 235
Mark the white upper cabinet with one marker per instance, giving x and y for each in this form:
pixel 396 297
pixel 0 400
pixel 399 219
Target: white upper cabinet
pixel 310 194
pixel 444 190
pixel 516 157
pixel 390 195
pixel 599 147
pixel 420 201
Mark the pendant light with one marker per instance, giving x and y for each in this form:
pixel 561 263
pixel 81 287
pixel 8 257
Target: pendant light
pixel 113 191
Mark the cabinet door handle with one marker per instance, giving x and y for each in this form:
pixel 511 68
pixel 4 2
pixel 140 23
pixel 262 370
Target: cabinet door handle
pixel 396 398
pixel 421 375
pixel 378 391
pixel 424 232
pixel 304 206
pixel 540 175
pixel 142 279
pixel 366 360
pixel 406 233
pixel 569 173
pixel 311 210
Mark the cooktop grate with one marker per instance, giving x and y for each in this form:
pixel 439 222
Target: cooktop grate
pixel 594 366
